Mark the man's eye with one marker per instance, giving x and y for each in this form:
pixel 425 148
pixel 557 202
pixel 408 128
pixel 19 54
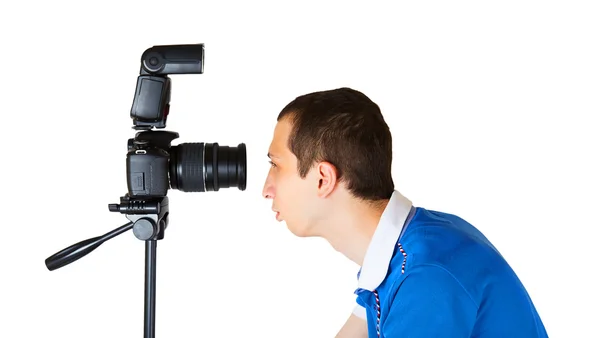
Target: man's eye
pixel 272 164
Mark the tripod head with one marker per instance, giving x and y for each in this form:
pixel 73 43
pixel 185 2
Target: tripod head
pixel 153 165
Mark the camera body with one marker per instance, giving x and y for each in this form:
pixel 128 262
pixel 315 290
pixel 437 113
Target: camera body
pixel 147 165
pixel 153 165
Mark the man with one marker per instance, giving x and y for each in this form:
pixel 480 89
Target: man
pixel 423 273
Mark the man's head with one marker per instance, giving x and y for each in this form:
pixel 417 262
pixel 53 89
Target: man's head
pixel 325 144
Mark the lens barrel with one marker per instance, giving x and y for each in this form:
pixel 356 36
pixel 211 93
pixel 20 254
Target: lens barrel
pixel 200 167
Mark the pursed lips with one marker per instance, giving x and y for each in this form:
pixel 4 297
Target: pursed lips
pixel 277 214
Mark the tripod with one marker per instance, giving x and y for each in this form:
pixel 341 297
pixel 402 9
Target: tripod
pixel 149 220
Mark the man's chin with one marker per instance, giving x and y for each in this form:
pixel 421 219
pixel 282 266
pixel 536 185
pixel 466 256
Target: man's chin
pixel 302 233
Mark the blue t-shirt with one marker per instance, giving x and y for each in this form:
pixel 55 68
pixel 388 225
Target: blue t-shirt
pixel 445 279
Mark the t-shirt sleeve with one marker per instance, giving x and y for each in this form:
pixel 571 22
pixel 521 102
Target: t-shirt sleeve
pixel 430 302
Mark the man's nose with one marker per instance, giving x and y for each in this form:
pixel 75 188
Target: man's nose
pixel 268 191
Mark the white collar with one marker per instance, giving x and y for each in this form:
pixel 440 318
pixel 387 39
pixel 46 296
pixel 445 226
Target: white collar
pixel 380 250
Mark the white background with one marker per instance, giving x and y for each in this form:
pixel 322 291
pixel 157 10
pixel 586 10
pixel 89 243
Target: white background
pixel 493 109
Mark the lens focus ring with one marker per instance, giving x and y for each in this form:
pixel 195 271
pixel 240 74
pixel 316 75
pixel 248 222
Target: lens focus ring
pixel 189 167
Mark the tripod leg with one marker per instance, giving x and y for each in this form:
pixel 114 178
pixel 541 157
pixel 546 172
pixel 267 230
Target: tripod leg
pixel 150 289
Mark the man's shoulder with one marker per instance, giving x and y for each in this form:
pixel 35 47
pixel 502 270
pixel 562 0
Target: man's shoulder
pixel 436 241
pixel 435 236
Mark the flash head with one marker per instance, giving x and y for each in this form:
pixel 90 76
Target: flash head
pixel 173 59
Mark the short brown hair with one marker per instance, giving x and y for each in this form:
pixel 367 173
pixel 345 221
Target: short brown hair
pixel 344 127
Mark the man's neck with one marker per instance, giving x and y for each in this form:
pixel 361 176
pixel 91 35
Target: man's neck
pixel 350 229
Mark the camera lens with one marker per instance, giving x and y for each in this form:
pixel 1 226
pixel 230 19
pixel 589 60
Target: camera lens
pixel 199 167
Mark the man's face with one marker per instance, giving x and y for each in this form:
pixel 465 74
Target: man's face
pixel 293 197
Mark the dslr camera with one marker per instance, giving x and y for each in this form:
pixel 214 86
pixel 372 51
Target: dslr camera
pixel 153 165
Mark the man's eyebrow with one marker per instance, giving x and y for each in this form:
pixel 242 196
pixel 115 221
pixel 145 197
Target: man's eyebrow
pixel 269 155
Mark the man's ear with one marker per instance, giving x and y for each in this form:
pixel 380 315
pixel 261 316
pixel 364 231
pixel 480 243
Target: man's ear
pixel 327 178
